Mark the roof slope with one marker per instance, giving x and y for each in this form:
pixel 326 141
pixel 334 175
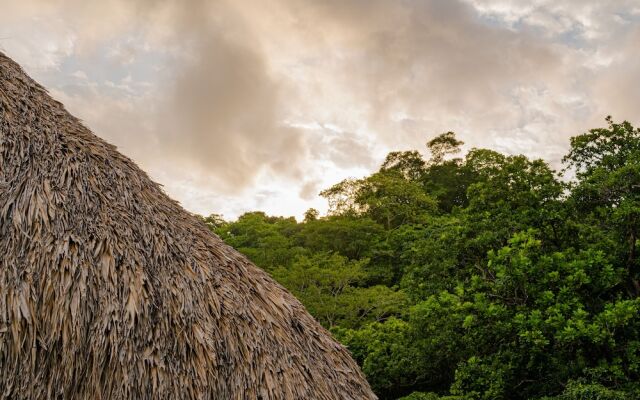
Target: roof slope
pixel 110 290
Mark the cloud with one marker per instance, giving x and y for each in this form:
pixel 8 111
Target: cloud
pixel 309 190
pixel 224 114
pixel 268 102
pixel 219 112
pixel 618 86
pixel 376 63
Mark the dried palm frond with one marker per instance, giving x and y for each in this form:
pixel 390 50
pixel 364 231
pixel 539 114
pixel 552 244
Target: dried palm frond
pixel 110 290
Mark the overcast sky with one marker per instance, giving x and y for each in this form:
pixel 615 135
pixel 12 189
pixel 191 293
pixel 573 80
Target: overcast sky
pixel 258 105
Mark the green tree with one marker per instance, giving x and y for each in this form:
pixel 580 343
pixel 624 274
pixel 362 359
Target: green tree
pixel 391 200
pixel 352 237
pixel 328 285
pixel 311 215
pixel 442 146
pixel 267 241
pixel 475 277
pixel 409 164
pixel 607 191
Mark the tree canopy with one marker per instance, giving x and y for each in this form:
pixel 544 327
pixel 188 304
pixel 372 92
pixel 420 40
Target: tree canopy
pixel 477 277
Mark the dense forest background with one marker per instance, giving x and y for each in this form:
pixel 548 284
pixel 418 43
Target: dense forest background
pixel 483 277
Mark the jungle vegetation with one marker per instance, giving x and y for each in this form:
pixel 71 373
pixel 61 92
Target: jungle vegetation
pixel 483 276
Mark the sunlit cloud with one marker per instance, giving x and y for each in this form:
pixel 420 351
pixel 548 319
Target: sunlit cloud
pixel 235 106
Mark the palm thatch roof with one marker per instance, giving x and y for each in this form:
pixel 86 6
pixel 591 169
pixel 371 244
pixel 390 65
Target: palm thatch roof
pixel 110 290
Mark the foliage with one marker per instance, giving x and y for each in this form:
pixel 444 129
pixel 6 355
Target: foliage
pixel 328 285
pixel 479 277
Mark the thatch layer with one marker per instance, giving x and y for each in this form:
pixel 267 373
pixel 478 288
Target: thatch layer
pixel 110 290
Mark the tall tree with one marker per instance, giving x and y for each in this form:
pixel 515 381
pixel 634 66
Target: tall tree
pixel 607 166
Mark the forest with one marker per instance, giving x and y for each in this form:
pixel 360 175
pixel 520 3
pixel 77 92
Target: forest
pixel 483 276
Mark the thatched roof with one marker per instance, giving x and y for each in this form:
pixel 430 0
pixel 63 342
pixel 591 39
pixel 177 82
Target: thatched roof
pixel 110 290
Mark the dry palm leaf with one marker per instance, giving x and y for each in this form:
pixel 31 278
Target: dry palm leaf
pixel 110 290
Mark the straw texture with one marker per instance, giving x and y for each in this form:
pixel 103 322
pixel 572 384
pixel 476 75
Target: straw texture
pixel 110 290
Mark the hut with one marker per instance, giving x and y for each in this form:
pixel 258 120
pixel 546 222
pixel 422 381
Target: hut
pixel 110 290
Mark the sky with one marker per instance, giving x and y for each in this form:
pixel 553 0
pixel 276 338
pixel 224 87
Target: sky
pixel 236 106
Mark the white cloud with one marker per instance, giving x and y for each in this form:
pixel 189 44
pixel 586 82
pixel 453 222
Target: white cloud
pixel 242 105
